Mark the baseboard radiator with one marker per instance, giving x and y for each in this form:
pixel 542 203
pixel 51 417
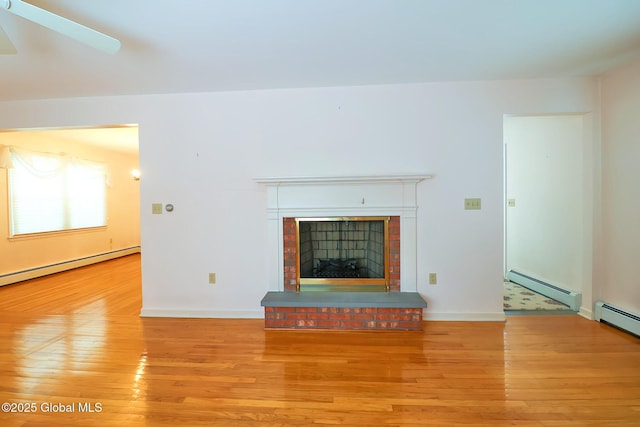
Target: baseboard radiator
pixel 617 317
pixel 570 298
pixel 33 273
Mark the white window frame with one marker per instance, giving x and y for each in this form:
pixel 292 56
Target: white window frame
pixel 58 193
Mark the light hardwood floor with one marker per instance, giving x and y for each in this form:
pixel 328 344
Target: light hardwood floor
pixel 74 341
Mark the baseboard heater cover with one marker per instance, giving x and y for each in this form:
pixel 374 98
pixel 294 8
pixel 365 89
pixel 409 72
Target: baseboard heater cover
pixel 570 298
pixel 45 270
pixel 618 317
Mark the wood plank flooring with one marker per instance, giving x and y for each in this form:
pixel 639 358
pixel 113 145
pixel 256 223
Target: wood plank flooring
pixel 74 342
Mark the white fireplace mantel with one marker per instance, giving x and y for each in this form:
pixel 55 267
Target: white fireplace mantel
pixel 315 180
pixel 392 195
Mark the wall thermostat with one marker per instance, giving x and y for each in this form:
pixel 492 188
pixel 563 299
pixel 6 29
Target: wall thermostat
pixel 169 207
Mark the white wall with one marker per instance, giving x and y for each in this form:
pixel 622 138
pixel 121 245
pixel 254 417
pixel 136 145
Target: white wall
pixel 201 152
pixel 544 175
pixel 619 284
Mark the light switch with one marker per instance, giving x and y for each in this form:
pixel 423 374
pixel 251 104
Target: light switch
pixel 156 208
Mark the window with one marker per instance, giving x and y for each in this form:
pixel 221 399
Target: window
pixel 49 192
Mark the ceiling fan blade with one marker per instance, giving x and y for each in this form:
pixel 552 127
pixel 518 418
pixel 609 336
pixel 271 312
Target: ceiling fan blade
pixel 62 25
pixel 6 47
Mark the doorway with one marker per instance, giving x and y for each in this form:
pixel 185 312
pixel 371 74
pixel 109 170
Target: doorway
pixel 111 150
pixel 545 199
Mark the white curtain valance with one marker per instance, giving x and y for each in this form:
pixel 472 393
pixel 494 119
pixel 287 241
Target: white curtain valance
pixel 46 165
pixel 42 165
pixel 5 157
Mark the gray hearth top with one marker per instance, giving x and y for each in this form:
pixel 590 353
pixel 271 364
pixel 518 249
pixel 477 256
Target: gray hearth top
pixel 343 299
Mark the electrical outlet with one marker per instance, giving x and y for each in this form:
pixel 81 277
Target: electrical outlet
pixel 212 278
pixel 433 278
pixel 472 204
pixel 156 208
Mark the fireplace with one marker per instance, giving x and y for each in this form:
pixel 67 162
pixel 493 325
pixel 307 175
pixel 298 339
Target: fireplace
pixel 392 196
pixel 349 254
pixel 354 271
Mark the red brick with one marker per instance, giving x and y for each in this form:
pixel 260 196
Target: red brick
pixel 296 316
pixel 333 324
pixel 306 323
pixel 341 316
pixel 349 310
pixel 362 316
pixel 318 316
pixel 284 324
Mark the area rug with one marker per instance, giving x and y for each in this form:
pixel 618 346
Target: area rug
pixel 518 297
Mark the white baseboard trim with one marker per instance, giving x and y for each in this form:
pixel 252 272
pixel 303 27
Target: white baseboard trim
pixel 203 314
pixel 565 296
pixel 259 314
pixel 586 313
pixel 45 270
pixel 465 317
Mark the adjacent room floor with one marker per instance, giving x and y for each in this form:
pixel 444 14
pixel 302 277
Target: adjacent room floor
pixel 520 298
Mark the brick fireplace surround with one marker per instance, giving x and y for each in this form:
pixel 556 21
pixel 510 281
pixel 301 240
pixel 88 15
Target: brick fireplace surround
pixel 290 253
pixel 393 196
pixel 369 318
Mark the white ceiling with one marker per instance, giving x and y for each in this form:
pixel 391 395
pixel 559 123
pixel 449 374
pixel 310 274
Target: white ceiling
pixel 214 45
pixel 171 46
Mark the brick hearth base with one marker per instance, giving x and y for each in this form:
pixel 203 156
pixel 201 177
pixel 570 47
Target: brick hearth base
pixel 343 310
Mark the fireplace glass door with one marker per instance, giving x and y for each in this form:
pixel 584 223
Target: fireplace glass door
pixel 343 253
